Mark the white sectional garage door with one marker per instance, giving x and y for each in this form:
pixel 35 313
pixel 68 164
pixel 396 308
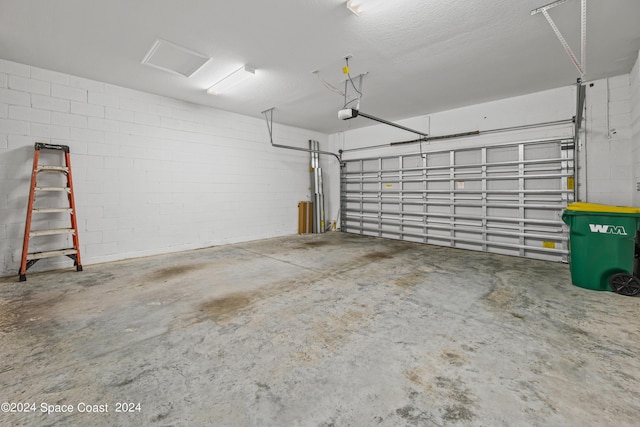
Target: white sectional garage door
pixel 505 198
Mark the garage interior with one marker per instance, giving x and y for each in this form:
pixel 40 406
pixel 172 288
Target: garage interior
pixel 364 231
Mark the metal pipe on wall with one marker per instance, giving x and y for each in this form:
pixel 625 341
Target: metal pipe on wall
pixel 580 98
pixel 306 150
pixel 317 192
pixel 268 116
pixel 317 187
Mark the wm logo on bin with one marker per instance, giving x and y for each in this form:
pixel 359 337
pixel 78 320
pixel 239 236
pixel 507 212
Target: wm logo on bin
pixel 608 229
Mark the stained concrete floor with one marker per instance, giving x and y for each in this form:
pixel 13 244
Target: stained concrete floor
pixel 319 330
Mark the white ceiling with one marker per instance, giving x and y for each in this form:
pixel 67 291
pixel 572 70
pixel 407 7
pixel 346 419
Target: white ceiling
pixel 421 56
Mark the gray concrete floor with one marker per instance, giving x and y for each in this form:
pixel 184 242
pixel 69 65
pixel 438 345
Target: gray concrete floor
pixel 330 330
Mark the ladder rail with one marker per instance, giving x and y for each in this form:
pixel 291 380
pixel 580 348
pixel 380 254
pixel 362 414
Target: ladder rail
pixel 72 214
pixel 27 227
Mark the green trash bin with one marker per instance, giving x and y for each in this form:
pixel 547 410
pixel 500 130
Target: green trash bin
pixel 603 247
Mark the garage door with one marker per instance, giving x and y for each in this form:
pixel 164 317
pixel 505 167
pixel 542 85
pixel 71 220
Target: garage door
pixel 505 198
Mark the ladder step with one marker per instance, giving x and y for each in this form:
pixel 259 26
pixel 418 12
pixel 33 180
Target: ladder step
pixel 44 145
pixel 52 169
pixel 51 210
pixel 67 189
pixel 52 231
pixel 49 254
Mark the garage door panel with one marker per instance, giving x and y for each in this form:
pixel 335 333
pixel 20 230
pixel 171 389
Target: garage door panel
pixel 468 185
pixel 502 154
pixel 391 208
pixel 467 157
pixel 542 213
pixel 543 184
pixel 442 236
pixel 503 212
pixel 444 210
pixel 503 250
pixel 469 211
pixel 416 209
pixel 503 184
pixel 503 240
pixel 390 163
pixel 352 187
pixel 500 169
pixel 468 246
pixel 438 184
pixel 413 185
pixel 438 159
pixel 502 199
pixel 542 152
pixel 414 239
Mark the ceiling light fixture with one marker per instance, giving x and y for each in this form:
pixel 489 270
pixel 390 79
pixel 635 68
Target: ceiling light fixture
pixel 355 7
pixel 172 58
pixel 232 80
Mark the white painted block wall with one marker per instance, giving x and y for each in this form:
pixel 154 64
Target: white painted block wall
pixel 152 174
pixel 634 83
pixel 609 142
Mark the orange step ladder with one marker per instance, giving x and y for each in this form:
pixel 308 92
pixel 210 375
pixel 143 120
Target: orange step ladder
pixel 28 259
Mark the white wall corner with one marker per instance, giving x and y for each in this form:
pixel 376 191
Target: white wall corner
pixel 634 83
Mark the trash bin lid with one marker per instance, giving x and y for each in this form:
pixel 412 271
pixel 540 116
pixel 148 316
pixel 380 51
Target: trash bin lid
pixel 594 207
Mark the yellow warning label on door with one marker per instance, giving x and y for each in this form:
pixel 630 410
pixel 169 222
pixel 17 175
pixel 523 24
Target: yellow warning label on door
pixel 570 183
pixel 549 245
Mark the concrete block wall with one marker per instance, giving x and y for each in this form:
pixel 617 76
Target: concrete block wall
pixel 152 174
pixel 608 142
pixel 634 83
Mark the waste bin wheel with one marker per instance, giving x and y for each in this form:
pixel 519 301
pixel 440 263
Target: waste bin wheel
pixel 625 284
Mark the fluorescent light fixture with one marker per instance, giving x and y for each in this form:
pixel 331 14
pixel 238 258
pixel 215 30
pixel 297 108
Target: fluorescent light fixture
pixel 355 6
pixel 232 80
